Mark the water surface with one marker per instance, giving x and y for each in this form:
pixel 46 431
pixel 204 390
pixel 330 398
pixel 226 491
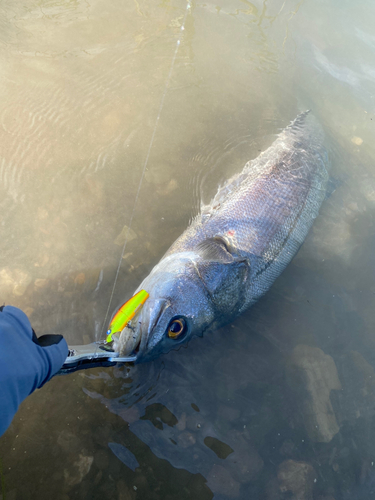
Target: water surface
pixel 281 403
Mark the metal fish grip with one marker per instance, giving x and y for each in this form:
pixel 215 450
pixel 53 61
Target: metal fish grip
pixel 92 355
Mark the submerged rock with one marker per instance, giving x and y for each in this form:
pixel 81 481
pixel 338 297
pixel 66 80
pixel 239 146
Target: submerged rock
pixel 358 141
pixel 14 281
pixel 78 470
pixel 126 234
pixel 168 189
pixel 312 374
pixel 40 283
pixel 186 439
pixel 296 478
pixel 357 399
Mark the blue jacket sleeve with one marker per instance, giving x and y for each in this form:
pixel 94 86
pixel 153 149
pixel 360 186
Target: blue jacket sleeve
pixel 24 365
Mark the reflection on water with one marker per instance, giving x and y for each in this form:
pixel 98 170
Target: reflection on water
pixel 280 404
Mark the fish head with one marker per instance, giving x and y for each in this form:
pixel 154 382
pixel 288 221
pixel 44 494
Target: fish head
pixel 188 293
pixel 178 307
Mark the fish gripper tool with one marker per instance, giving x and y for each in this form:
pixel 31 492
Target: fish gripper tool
pixel 92 355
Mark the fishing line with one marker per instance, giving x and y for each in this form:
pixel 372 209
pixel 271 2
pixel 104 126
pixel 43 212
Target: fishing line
pixel 161 105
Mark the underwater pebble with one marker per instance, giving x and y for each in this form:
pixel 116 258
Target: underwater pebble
pixel 357 140
pixel 168 189
pixel 15 281
pixel 127 255
pixel 311 375
pixel 353 207
pixel 79 469
pixel 186 439
pixel 80 279
pixel 297 478
pixel 40 283
pixel 126 234
pixel 181 424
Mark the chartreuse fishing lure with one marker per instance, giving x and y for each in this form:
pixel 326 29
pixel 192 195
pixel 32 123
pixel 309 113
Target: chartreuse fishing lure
pixel 126 313
pixel 101 353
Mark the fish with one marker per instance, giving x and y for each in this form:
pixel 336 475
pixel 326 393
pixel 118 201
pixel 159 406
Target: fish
pixel 237 245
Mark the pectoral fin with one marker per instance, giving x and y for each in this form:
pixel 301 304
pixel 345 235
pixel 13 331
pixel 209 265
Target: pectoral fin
pixel 219 249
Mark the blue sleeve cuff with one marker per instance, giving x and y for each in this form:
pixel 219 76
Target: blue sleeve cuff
pixel 24 365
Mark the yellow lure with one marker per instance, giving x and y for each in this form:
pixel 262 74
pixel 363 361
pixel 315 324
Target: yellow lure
pixel 126 313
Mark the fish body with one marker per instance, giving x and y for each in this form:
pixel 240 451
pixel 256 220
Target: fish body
pixel 237 246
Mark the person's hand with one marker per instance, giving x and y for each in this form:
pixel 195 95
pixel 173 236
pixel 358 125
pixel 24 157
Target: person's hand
pixel 26 363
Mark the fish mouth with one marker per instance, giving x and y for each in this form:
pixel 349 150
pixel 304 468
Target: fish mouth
pixel 128 342
pixel 133 339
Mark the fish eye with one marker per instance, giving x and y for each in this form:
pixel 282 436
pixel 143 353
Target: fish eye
pixel 176 328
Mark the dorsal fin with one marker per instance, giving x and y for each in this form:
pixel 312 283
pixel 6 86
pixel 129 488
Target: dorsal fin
pixel 222 193
pixel 299 121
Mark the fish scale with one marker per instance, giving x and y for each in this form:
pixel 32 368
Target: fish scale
pixel 240 243
pixel 273 202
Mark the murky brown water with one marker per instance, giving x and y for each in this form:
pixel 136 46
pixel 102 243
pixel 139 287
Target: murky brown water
pixel 278 405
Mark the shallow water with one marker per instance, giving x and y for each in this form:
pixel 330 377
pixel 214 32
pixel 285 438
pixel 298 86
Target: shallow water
pixel 281 403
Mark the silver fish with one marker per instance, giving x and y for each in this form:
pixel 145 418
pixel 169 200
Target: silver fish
pixel 237 246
